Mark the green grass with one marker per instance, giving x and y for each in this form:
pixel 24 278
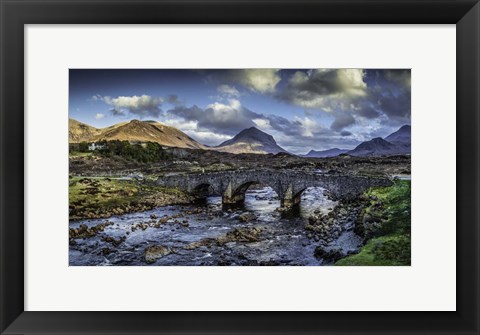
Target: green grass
pixel 389 243
pixel 73 154
pixel 392 206
pixel 103 194
pixel 381 251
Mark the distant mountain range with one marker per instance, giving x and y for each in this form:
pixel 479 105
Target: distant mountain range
pixel 251 140
pixel 397 143
pixel 377 147
pixel 326 153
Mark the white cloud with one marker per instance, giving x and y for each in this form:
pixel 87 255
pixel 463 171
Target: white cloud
pixel 230 113
pixel 191 128
pixel 182 124
pixel 351 82
pixel 259 80
pixel 308 126
pixel 207 137
pixel 228 90
pixel 262 123
pixel 227 118
pixel 142 106
pixel 326 89
pixel 99 116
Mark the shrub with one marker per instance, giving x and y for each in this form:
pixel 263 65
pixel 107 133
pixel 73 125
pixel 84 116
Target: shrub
pixel 146 153
pixel 83 147
pixel 396 249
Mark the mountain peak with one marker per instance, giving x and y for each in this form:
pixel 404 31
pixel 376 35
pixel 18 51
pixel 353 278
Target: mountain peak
pixel 252 131
pixel 375 147
pixel 251 140
pixel 402 135
pixel 377 140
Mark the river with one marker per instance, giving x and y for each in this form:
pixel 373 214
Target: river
pixel 282 239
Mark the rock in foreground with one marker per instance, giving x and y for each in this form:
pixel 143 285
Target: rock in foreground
pixel 246 217
pixel 154 252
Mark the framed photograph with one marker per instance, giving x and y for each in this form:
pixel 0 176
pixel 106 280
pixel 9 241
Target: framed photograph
pixel 203 167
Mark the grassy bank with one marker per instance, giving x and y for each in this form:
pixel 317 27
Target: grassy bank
pixel 76 154
pixel 385 225
pixel 104 197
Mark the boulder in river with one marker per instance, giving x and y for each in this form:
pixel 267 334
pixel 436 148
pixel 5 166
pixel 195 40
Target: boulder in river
pixel 246 217
pixel 329 255
pixel 154 252
pixel 241 235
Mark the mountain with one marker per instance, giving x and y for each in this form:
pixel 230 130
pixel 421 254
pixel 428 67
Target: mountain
pixel 150 131
pixel 135 130
pixel 379 147
pixel 79 132
pixel 402 138
pixel 375 147
pixel 326 153
pixel 251 140
pixel 402 135
pixel 397 143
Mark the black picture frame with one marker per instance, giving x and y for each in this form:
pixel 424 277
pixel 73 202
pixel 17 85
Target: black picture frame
pixel 17 13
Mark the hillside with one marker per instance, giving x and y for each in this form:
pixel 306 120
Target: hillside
pixel 379 147
pixel 326 153
pixel 80 132
pixel 136 131
pixel 402 135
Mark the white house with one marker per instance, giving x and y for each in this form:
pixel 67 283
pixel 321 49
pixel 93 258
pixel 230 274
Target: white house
pixel 95 146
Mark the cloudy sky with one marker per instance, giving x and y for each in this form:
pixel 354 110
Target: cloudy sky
pixel 302 108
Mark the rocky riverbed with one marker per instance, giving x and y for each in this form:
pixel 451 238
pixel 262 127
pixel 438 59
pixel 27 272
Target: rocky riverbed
pixel 205 233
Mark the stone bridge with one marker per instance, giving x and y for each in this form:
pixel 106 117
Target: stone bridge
pixel 288 185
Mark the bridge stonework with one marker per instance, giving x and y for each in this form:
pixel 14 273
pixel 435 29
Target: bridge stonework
pixel 289 185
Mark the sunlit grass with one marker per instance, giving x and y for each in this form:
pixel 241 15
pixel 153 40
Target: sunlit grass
pixel 382 251
pixel 107 193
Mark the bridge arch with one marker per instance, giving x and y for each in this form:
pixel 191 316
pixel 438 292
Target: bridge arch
pixel 203 190
pixel 235 192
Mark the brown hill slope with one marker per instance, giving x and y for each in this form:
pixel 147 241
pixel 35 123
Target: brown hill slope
pixel 79 132
pixel 141 131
